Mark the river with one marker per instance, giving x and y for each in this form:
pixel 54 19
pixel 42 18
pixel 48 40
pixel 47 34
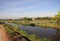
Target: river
pixel 39 31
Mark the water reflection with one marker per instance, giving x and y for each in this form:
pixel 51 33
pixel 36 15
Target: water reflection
pixel 39 31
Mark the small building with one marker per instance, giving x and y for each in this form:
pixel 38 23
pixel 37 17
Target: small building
pixel 33 19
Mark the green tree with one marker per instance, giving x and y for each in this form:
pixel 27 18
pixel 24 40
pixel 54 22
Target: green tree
pixel 57 17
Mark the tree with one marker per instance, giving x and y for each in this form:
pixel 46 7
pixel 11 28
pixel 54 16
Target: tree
pixel 57 17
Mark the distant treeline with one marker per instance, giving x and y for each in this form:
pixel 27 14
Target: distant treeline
pixel 56 18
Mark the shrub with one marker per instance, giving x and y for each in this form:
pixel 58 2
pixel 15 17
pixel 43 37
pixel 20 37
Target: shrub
pixel 32 24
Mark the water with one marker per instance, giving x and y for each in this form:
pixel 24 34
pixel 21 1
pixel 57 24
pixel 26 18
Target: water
pixel 39 31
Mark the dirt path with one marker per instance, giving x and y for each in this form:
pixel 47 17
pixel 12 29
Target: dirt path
pixel 3 34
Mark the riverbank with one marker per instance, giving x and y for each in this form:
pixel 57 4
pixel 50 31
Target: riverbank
pixel 31 37
pixel 45 25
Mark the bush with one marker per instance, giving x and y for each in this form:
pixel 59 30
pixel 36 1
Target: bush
pixel 32 24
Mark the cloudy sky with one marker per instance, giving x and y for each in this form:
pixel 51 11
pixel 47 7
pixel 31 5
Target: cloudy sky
pixel 28 8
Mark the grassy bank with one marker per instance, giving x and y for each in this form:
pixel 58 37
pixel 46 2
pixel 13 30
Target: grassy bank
pixel 32 37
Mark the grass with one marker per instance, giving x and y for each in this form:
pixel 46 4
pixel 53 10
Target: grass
pixel 31 37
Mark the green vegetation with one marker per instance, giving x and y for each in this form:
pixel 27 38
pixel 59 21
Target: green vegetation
pixel 52 22
pixel 32 24
pixel 12 29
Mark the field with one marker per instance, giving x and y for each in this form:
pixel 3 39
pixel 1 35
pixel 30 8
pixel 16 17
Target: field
pixel 21 35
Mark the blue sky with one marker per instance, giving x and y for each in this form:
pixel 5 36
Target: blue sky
pixel 28 8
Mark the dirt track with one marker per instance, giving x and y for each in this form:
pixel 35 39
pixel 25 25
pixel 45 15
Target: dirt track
pixel 3 34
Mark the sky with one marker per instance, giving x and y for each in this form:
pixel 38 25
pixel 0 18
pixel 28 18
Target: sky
pixel 28 8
